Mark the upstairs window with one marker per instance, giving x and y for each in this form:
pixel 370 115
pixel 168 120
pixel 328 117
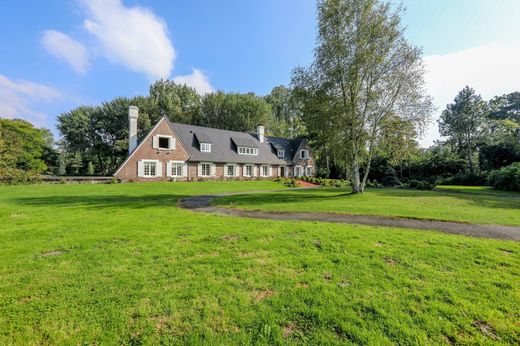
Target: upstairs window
pixel 281 153
pixel 304 154
pixel 247 151
pixel 163 142
pixel 205 147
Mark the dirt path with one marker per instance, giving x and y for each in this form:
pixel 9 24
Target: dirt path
pixel 203 204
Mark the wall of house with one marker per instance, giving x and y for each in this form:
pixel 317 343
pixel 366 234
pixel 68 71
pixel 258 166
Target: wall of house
pixel 220 172
pixel 298 161
pixel 145 151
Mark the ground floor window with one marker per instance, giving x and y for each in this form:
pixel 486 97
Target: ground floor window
pixel 176 169
pixel 205 169
pixel 231 170
pixel 249 171
pixel 150 168
pixel 308 171
pixel 265 171
pixel 298 171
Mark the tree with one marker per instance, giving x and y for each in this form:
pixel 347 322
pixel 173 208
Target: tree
pixel 76 163
pixel 90 168
pixel 463 122
pixel 364 71
pixel 286 111
pixel 21 149
pixel 180 103
pixel 236 112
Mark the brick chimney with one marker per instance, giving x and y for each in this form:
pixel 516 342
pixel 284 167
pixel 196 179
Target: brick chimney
pixel 260 133
pixel 133 114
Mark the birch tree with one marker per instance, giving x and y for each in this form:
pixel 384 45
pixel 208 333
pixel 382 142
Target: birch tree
pixel 368 72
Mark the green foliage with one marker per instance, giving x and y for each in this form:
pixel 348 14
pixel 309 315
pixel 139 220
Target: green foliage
pixel 287 117
pixel 21 149
pixel 463 122
pixel 390 178
pixel 465 179
pixel 421 185
pixel 90 168
pixel 179 102
pixel 506 178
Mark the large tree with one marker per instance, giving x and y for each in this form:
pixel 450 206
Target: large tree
pixel 236 112
pixel 365 72
pixel 179 102
pixel 463 122
pixel 287 114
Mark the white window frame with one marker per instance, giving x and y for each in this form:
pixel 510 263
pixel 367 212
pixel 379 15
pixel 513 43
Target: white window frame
pixel 248 151
pixel 175 165
pixel 245 171
pixel 149 162
pixel 296 169
pixel 156 141
pixel 304 154
pixel 266 167
pixel 281 153
pixel 308 171
pixel 205 147
pixel 230 166
pixel 201 173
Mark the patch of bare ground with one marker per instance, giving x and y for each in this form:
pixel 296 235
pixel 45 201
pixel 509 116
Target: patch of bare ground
pixel 51 253
pixel 391 261
pixel 327 276
pixel 344 283
pixel 261 295
pixel 230 237
pixel 486 329
pixel 288 330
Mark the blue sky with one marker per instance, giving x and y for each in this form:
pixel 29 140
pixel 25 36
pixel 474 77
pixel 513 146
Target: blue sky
pixel 58 54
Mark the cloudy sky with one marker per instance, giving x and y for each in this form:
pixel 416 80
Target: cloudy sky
pixel 58 54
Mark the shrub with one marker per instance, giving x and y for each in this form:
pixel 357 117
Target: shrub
pixel 13 176
pixel 506 178
pixel 421 185
pixel 390 178
pixel 467 179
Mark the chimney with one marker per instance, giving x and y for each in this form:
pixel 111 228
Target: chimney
pixel 260 133
pixel 133 114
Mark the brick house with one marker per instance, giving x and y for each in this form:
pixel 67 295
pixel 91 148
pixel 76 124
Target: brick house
pixel 172 151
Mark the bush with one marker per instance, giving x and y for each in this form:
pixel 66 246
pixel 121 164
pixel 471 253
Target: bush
pixel 421 185
pixel 13 176
pixel 390 178
pixel 506 178
pixel 466 179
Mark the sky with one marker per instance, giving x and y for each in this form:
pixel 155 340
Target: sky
pixel 57 54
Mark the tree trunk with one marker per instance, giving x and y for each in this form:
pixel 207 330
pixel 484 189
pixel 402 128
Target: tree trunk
pixel 356 184
pixel 470 160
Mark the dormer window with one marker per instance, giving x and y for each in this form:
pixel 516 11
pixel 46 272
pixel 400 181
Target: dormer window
pixel 304 154
pixel 281 153
pixel 248 151
pixel 205 147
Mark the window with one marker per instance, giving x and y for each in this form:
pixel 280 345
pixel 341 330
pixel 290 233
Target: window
pixel 281 153
pixel 176 169
pixel 247 151
pixel 308 171
pixel 205 147
pixel 304 154
pixel 265 171
pixel 298 171
pixel 231 170
pixel 150 169
pixel 205 169
pixel 164 143
pixel 249 171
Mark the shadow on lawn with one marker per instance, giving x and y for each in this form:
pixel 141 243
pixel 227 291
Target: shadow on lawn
pixel 344 196
pixel 142 201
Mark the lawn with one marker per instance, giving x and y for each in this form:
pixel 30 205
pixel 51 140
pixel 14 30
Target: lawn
pixel 450 203
pixel 121 264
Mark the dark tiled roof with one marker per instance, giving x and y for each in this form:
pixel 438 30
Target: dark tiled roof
pixel 203 137
pixel 224 145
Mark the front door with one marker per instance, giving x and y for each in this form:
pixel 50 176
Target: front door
pixel 282 171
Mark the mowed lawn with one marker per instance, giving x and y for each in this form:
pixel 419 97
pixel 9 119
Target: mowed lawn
pixel 121 264
pixel 480 205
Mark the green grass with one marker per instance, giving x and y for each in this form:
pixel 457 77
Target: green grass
pixel 121 264
pixel 450 203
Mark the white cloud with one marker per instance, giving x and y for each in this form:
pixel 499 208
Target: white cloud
pixel 134 37
pixel 197 80
pixel 65 48
pixel 490 69
pixel 16 98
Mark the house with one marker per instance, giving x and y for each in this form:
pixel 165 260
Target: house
pixel 172 151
